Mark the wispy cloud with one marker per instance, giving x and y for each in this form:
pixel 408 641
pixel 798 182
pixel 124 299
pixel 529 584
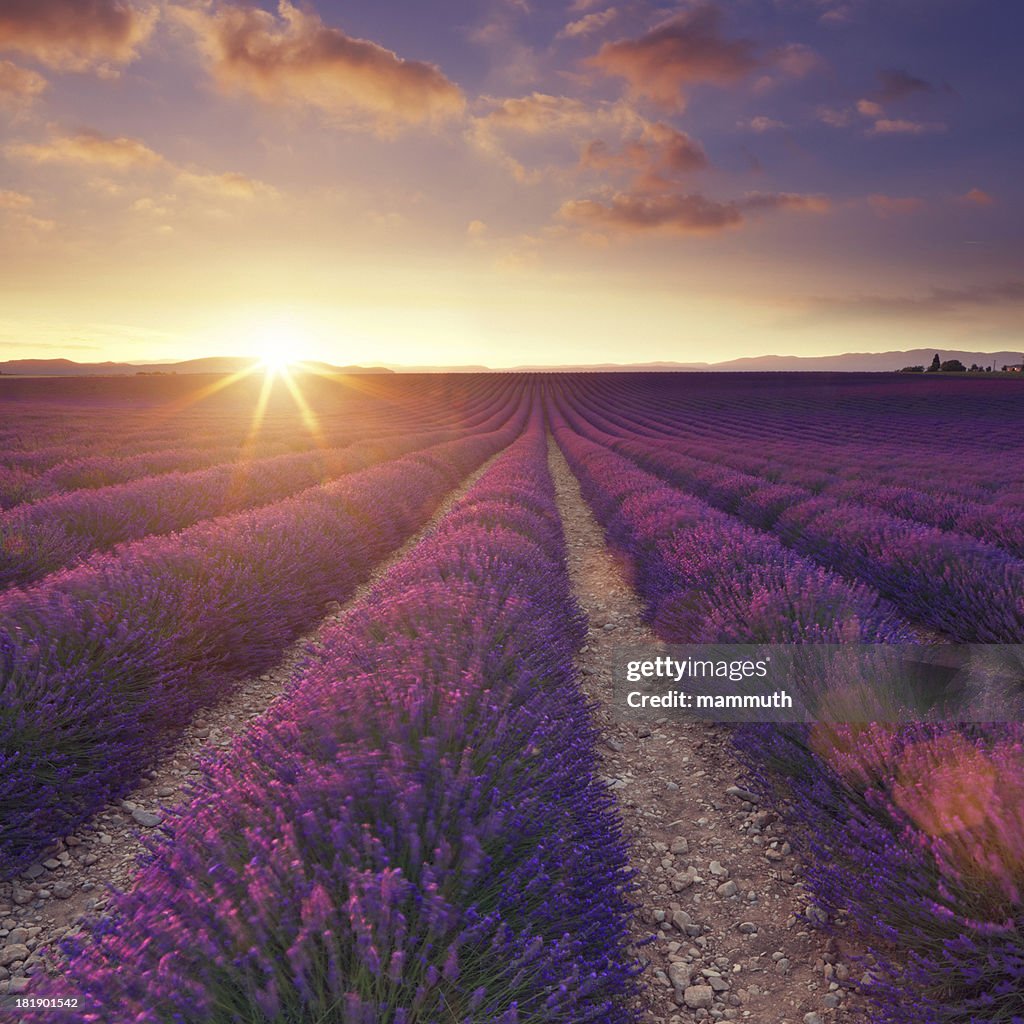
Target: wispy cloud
pixel 115 153
pixel 935 301
pixel 682 213
pixel 589 23
pixel 903 126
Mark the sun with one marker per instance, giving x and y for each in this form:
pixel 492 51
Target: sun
pixel 278 344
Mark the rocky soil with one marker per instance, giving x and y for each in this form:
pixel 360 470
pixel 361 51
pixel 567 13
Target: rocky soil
pixel 723 923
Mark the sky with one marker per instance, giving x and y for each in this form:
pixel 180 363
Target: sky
pixel 509 182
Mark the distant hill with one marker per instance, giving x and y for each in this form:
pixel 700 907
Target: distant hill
pixel 849 362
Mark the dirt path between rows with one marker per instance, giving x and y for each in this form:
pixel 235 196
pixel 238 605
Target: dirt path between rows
pixel 721 911
pixel 72 879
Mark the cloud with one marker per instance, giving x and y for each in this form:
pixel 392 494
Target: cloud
pixel 895 84
pixel 659 156
pixel 543 117
pixel 869 108
pixel 76 35
pixel 885 206
pixel 294 58
pixel 19 86
pixel 589 23
pixel 834 117
pixel 934 302
pixel 977 197
pixel 609 137
pixel 476 228
pixel 686 50
pixel 900 126
pixel 541 113
pixel 125 155
pixel 681 214
pixel 14 200
pixel 761 124
pixel 15 207
pixel 120 153
pixel 229 185
pixel 797 60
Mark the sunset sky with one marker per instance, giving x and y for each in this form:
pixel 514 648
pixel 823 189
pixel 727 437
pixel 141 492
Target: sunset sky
pixel 509 182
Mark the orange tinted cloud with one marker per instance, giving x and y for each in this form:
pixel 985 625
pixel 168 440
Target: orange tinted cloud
pixel 900 126
pixel 229 185
pixel 294 58
pixel 681 214
pixel 978 197
pixel 14 200
pixel 118 153
pixel 75 35
pixel 660 154
pixel 687 49
pixel 18 86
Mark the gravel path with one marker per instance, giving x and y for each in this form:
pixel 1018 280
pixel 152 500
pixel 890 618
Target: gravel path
pixel 718 890
pixel 72 880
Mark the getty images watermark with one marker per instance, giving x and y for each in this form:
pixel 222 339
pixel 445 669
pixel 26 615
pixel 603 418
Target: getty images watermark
pixel 821 682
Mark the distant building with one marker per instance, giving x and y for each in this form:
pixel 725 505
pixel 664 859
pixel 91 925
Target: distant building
pixel 1014 368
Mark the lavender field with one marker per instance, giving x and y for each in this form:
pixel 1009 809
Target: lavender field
pixel 417 825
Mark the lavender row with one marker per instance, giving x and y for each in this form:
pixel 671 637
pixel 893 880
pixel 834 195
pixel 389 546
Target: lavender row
pixel 47 535
pixel 858 473
pixel 416 833
pixel 102 664
pixel 41 472
pixel 705 577
pixel 890 424
pixel 961 586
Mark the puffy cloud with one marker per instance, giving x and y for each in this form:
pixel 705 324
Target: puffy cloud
pixel 977 197
pixel 869 108
pixel 687 49
pixel 294 57
pixel 610 137
pixel 797 60
pixel 542 117
pixel 589 23
pixel 900 126
pixel 884 205
pixel 18 86
pixel 660 155
pixel 834 117
pixel 895 84
pixel 761 124
pixel 679 213
pixel 116 153
pixel 75 35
